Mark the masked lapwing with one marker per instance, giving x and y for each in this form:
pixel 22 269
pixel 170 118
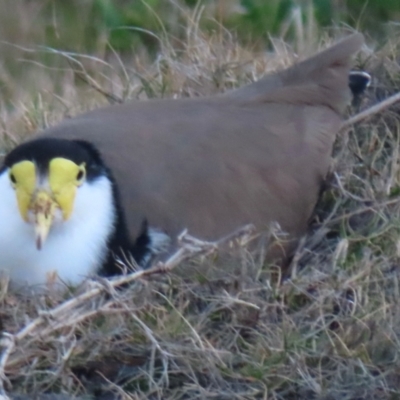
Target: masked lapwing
pixel 123 179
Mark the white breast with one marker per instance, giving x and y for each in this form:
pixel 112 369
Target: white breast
pixel 74 248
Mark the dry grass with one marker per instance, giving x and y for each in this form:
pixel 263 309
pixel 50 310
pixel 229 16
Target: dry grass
pixel 330 331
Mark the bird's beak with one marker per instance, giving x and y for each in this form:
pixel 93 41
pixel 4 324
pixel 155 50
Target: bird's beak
pixel 43 207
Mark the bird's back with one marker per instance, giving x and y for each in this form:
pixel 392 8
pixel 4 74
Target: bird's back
pixel 254 155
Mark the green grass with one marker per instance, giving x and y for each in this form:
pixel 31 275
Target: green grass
pixel 85 26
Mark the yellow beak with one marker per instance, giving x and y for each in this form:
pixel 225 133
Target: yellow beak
pixel 43 207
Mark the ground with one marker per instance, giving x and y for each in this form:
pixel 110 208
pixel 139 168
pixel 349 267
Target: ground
pixel 331 330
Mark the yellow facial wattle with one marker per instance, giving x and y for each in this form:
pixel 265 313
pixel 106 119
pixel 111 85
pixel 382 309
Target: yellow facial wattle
pixel 23 179
pixel 42 198
pixel 64 178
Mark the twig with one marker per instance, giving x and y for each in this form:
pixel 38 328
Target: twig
pixel 68 312
pixel 84 75
pixel 86 78
pixel 371 111
pixel 8 344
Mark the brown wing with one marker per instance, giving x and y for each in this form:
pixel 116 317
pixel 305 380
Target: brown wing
pixel 214 164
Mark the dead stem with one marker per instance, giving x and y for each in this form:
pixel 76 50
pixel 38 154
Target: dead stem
pixel 70 312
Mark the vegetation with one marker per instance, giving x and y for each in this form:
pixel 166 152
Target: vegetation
pixel 79 25
pixel 215 327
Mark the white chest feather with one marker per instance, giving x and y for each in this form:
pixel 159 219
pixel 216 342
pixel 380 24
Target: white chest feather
pixel 74 248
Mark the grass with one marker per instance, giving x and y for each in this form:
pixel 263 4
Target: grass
pixel 226 329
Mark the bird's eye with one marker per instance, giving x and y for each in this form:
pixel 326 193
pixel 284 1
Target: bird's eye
pixel 81 175
pixel 12 179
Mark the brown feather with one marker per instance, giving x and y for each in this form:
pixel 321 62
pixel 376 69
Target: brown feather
pixel 256 155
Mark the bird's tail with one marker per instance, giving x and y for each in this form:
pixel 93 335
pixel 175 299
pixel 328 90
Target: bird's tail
pixel 321 79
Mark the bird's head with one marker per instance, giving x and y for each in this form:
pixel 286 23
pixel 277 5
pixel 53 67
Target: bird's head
pixel 46 175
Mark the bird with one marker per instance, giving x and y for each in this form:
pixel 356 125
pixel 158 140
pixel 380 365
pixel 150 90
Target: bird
pixel 124 180
pixel 358 82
